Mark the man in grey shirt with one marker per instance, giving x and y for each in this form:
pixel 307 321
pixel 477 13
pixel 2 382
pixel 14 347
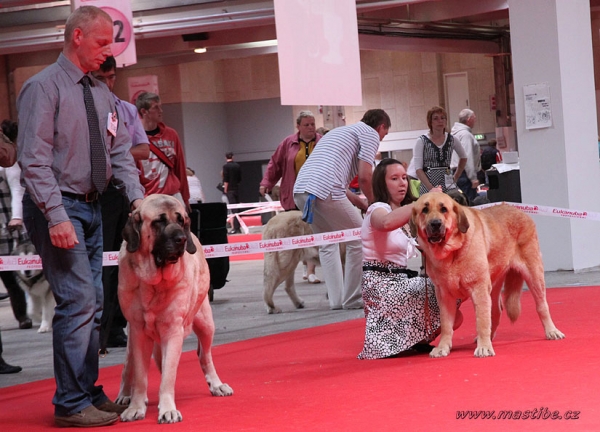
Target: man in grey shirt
pixel 462 131
pixel 61 206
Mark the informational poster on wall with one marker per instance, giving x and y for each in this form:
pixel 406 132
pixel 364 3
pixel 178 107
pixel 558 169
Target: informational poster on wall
pixel 141 84
pixel 123 47
pixel 538 109
pixel 319 58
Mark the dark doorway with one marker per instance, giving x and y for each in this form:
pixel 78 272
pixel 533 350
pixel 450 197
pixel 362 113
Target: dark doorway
pixel 252 174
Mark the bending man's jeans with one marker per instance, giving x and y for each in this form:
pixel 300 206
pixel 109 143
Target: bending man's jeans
pixel 75 277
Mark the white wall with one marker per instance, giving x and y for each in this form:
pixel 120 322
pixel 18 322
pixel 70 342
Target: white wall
pixel 401 140
pixel 559 164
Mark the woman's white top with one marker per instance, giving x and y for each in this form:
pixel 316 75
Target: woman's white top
pixel 383 246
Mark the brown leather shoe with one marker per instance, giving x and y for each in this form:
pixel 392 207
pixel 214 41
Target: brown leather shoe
pixel 87 417
pixel 112 407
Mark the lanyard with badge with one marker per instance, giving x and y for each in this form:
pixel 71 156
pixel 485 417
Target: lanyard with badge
pixel 306 148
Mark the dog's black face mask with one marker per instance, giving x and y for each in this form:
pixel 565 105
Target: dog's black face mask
pixel 170 237
pixel 436 231
pixel 170 240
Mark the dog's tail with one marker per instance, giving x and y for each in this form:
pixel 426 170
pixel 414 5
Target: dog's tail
pixel 511 295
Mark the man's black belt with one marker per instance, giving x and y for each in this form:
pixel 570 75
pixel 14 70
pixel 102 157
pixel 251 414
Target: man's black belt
pixel 408 272
pixel 88 197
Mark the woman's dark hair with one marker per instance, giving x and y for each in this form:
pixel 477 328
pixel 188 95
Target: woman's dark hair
pixel 380 190
pixel 10 129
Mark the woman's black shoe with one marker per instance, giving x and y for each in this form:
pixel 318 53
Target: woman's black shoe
pixel 424 348
pixel 4 296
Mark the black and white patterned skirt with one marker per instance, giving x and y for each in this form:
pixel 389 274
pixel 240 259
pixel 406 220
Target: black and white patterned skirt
pixel 400 311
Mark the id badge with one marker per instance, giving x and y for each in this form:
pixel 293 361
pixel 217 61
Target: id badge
pixel 448 180
pixel 112 124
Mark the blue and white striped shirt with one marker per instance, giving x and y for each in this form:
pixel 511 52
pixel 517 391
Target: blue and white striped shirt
pixel 334 162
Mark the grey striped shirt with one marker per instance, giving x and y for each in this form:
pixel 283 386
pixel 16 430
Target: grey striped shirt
pixel 334 162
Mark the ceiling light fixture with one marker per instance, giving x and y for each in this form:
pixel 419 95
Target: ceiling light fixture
pixel 260 44
pixel 239 46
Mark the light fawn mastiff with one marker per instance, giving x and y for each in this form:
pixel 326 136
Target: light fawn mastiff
pixel 472 253
pixel 163 286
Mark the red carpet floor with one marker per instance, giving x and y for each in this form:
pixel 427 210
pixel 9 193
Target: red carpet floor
pixel 310 380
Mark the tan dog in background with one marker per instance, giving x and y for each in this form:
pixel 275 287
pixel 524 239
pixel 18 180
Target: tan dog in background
pixel 280 266
pixel 163 286
pixel 472 253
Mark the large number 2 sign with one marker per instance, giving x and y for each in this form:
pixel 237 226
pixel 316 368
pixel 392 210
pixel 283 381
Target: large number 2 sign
pixel 119 34
pixel 122 30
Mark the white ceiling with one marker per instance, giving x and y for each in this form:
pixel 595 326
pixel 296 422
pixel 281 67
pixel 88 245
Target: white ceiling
pixel 31 32
pixel 31 29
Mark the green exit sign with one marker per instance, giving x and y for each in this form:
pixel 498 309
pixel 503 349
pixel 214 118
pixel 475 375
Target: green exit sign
pixel 479 137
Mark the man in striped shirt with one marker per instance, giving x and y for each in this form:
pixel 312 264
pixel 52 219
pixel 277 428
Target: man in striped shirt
pixel 323 182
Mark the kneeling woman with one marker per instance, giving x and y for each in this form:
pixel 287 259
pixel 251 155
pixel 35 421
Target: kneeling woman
pixel 401 311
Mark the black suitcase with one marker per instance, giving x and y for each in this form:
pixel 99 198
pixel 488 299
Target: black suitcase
pixel 209 220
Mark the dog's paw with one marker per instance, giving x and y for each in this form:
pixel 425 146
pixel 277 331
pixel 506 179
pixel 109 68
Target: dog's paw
pixel 45 328
pixel 484 351
pixel 555 334
pixel 133 414
pixel 438 352
pixel 299 305
pixel 221 390
pixel 123 400
pixel 168 417
pixel 273 310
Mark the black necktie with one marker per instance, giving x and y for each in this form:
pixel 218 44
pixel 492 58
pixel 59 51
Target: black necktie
pixel 98 157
